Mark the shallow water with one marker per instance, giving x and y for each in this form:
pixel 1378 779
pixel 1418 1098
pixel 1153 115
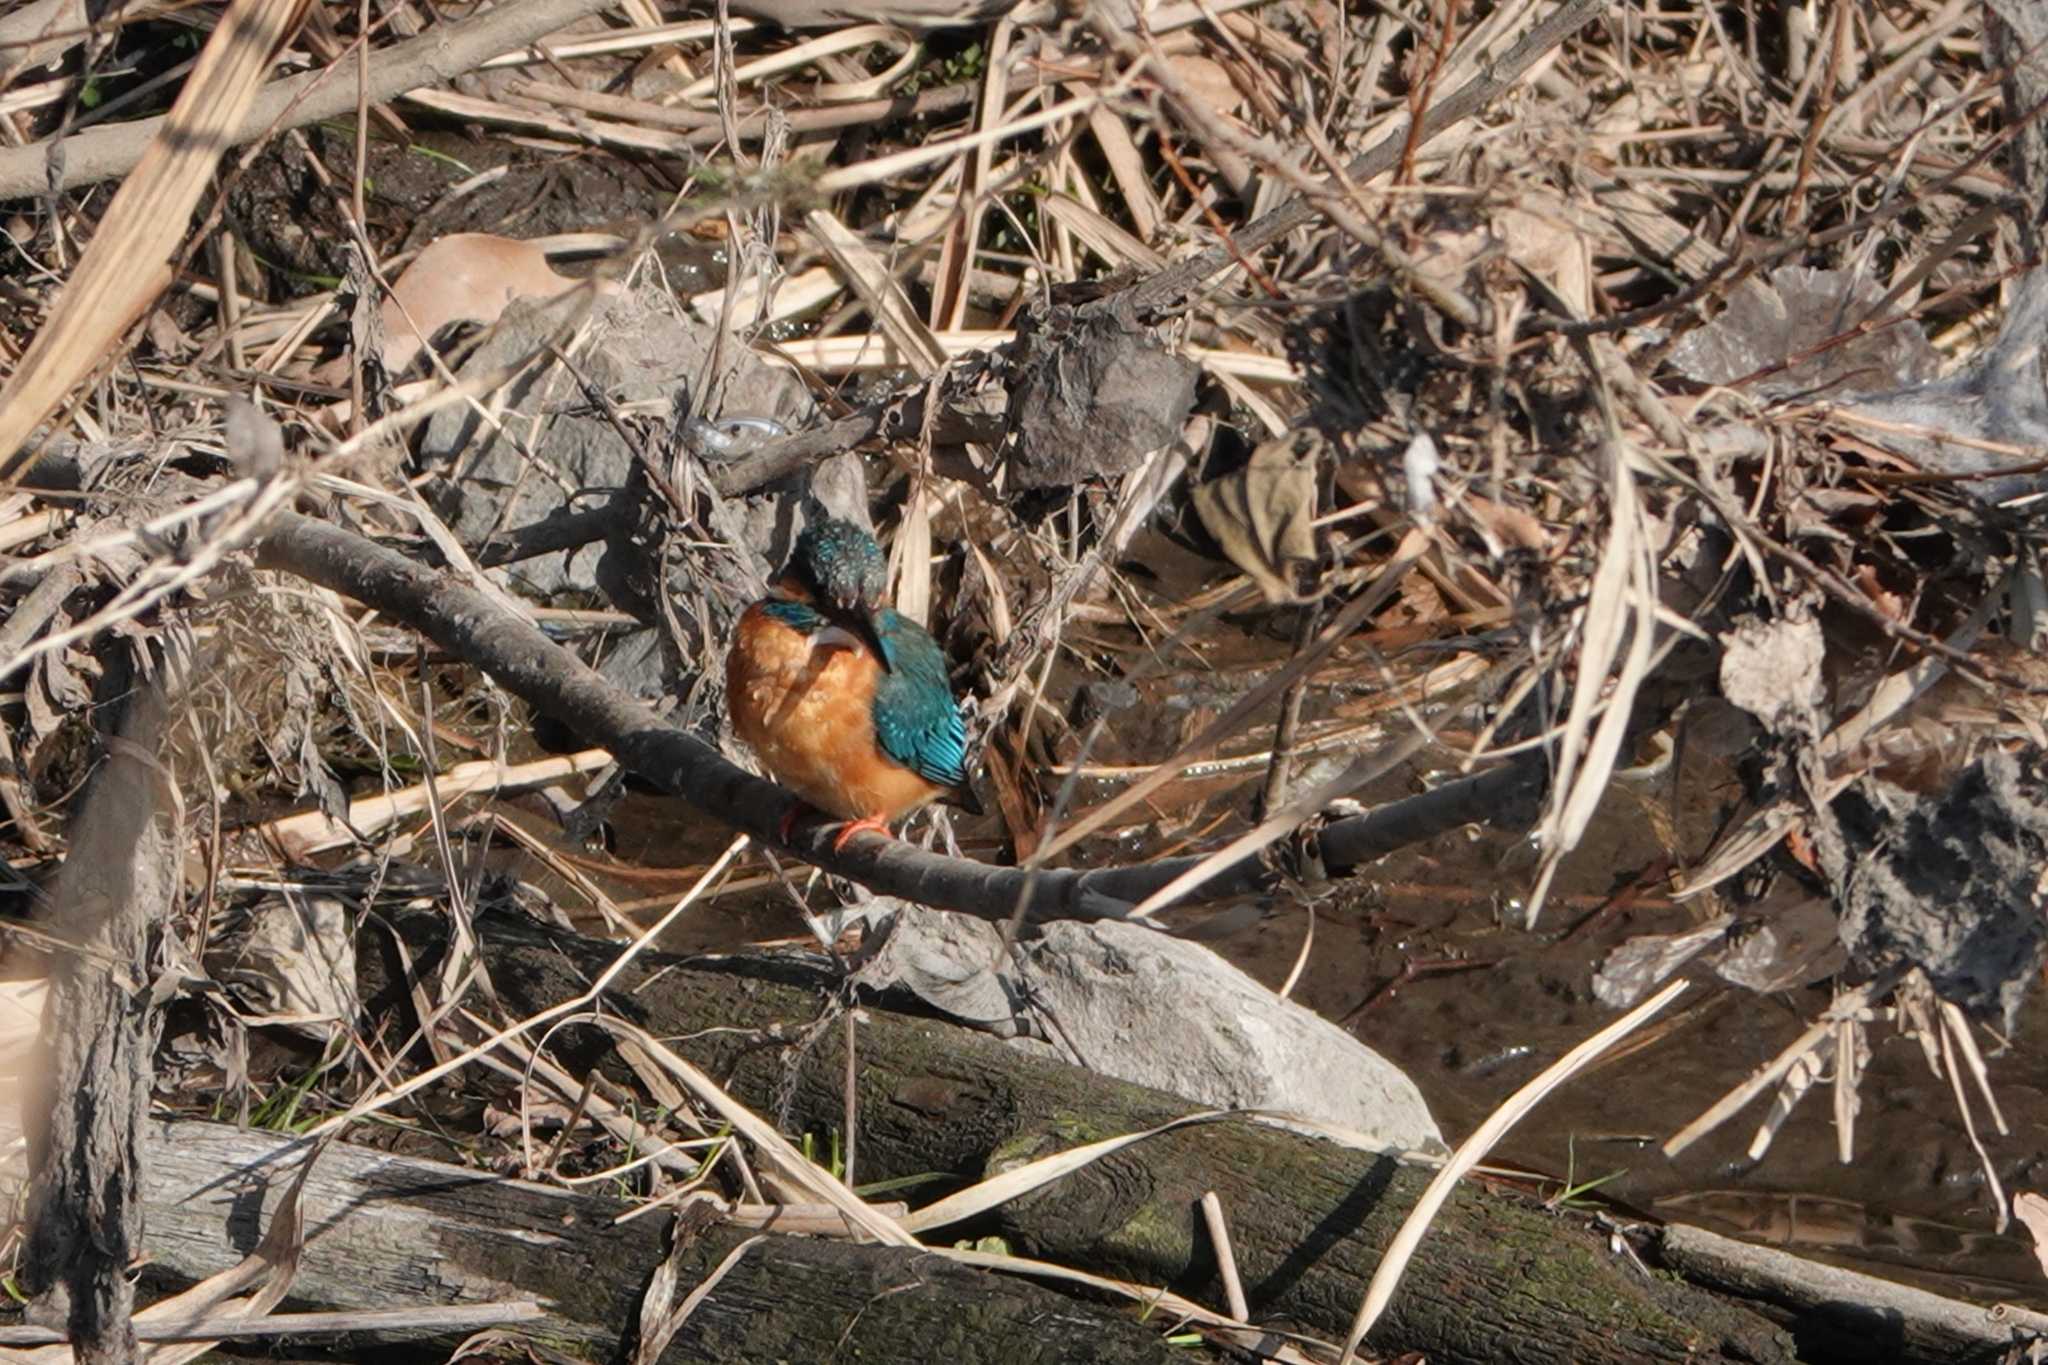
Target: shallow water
pixel 1913 1199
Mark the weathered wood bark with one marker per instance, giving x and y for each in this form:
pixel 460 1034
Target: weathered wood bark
pixel 1497 1278
pixel 84 1105
pixel 1843 1314
pixel 386 1231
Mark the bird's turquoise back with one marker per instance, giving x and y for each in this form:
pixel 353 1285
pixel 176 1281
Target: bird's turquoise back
pixel 916 719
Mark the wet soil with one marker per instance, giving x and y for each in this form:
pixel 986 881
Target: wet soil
pixel 438 182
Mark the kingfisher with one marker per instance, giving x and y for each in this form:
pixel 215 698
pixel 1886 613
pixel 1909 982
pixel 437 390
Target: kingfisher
pixel 845 700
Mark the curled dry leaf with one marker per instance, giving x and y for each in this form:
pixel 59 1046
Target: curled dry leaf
pixel 1803 331
pixel 1634 967
pixel 58 689
pixel 1787 941
pixel 1537 234
pixel 1772 669
pixel 2032 1209
pixel 1506 527
pixel 1207 80
pixel 467 277
pixel 255 444
pixel 1263 515
pixel 291 961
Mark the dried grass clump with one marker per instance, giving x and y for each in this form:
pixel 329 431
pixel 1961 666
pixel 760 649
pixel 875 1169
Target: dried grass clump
pixel 289 694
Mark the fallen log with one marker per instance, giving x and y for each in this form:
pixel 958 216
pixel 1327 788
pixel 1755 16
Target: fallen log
pixel 1498 1277
pixel 84 1105
pixel 384 1231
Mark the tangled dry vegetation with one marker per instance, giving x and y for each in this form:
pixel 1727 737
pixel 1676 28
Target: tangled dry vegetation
pixel 1536 395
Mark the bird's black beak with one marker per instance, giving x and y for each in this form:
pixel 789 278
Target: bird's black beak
pixel 860 618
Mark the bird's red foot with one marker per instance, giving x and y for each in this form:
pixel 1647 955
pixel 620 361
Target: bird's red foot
pixel 873 823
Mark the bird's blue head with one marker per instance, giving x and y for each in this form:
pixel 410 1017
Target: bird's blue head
pixel 839 568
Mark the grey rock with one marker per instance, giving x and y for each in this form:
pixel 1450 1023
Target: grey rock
pixel 1793 327
pixel 1091 395
pixel 1948 883
pixel 1151 1009
pixel 643 354
pixel 1999 396
pixel 768 525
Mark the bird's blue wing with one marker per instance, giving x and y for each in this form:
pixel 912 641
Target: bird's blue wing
pixel 917 721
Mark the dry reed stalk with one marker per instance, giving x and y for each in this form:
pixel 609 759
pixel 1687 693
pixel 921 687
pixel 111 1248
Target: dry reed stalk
pixel 128 264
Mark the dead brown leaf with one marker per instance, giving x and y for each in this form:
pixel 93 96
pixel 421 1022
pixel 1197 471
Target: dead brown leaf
pixel 1263 515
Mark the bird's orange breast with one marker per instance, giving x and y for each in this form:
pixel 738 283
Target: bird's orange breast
pixel 805 705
